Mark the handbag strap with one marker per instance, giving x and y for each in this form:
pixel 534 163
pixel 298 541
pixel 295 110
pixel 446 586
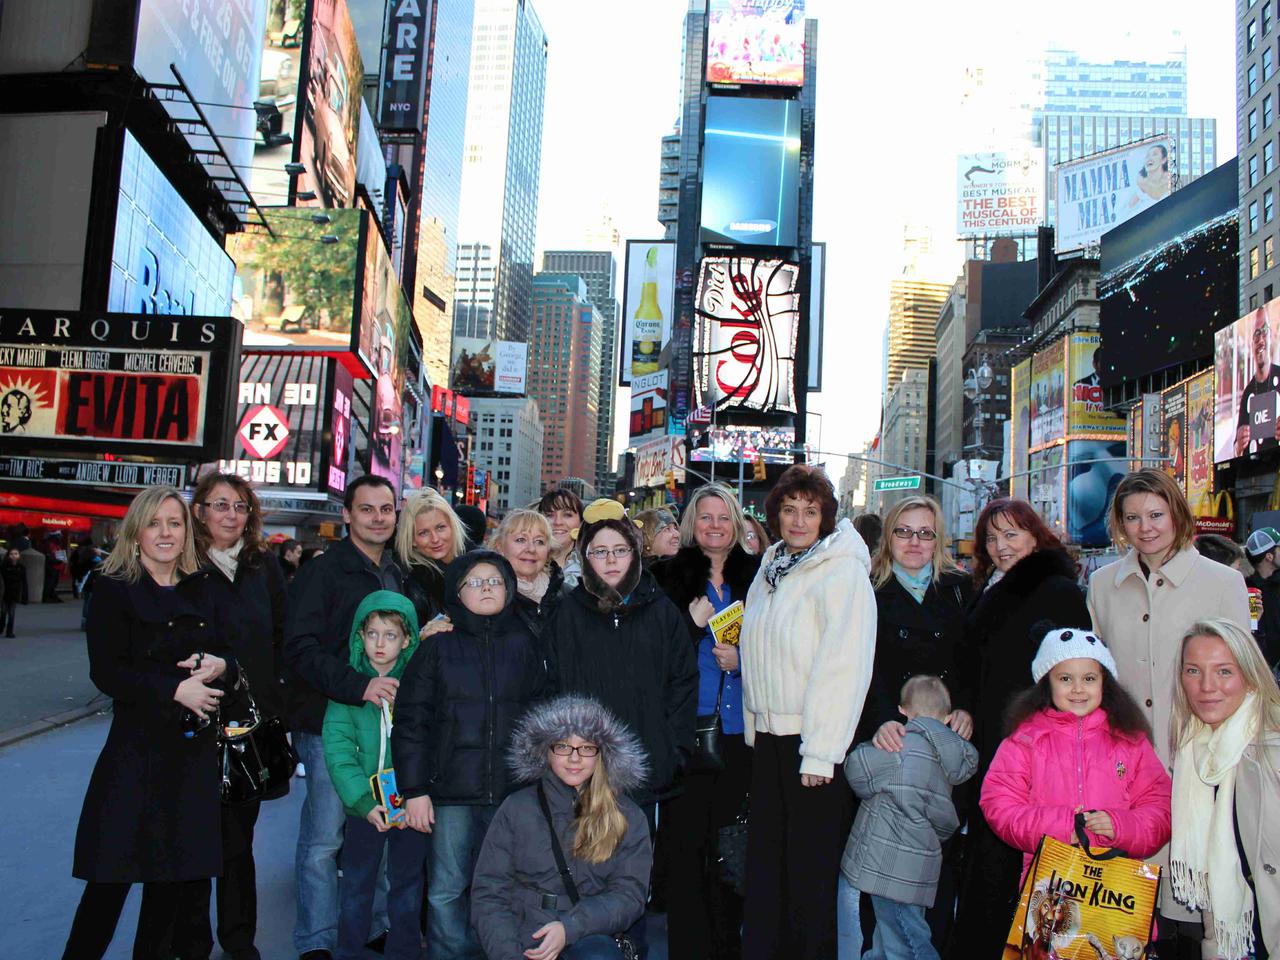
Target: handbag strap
pixel 384 724
pixel 570 887
pixel 1083 840
pixel 720 692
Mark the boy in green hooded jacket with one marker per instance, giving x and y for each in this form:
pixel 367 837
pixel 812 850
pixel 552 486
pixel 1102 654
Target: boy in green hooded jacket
pixel 357 745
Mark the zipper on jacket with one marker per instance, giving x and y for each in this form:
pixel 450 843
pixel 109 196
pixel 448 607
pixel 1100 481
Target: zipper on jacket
pixel 1080 760
pixel 615 620
pixel 492 712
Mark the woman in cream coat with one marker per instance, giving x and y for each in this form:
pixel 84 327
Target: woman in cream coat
pixel 1144 603
pixel 808 645
pixel 1226 731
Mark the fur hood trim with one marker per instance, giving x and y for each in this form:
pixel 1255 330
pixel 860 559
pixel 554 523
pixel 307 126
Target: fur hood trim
pixel 568 716
pixel 1027 574
pixel 684 576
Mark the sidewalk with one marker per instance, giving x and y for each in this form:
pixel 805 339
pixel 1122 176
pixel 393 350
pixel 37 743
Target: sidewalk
pixel 44 671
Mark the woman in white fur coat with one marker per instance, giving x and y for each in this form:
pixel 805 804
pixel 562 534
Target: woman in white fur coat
pixel 808 645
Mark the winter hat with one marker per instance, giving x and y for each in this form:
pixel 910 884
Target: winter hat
pixel 568 716
pixel 1261 542
pixel 1068 643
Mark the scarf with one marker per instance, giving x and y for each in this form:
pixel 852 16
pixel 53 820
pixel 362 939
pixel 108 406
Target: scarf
pixel 996 576
pixel 536 588
pixel 227 560
pixel 916 584
pixel 1204 862
pixel 783 563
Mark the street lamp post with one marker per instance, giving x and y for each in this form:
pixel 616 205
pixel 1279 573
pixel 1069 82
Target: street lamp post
pixel 439 478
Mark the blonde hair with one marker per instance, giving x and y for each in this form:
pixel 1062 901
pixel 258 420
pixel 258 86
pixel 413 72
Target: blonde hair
pixel 125 560
pixel 652 522
pixel 688 522
pixel 521 519
pixel 601 823
pixel 1157 483
pixel 882 562
pixel 926 695
pixel 418 503
pixel 1183 723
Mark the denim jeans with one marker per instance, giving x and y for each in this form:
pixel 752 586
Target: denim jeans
pixel 455 846
pixel 316 861
pixel 598 946
pixel 362 851
pixel 848 920
pixel 902 933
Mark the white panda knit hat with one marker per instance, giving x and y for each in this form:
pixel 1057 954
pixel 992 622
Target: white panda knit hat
pixel 1069 643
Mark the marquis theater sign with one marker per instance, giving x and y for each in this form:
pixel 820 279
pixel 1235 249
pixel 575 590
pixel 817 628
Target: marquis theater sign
pixel 126 384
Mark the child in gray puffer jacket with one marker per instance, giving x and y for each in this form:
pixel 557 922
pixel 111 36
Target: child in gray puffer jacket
pixel 578 760
pixel 894 851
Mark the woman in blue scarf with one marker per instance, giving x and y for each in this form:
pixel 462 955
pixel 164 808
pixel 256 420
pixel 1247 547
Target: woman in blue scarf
pixel 921 596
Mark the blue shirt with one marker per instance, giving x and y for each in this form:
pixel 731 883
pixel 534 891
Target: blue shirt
pixel 709 674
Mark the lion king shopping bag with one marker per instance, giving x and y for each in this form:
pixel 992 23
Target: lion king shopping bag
pixel 1082 904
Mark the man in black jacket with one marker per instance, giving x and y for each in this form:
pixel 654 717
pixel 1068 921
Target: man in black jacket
pixel 322 603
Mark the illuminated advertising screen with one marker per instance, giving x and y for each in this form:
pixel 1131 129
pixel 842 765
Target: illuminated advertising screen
pixel 1019 428
pixel 1247 384
pixel 276 104
pixel 756 42
pixel 648 405
pixel 130 383
pixel 1085 411
pixel 282 421
pixel 1199 426
pixel 489 366
pixel 331 103
pixel 734 442
pixel 817 296
pixel 647 307
pixel 163 260
pixel 384 337
pixel 1173 433
pixel 216 46
pixel 1099 192
pixel 1170 278
pixel 1048 395
pixel 1046 486
pixel 999 192
pixel 751 172
pixel 295 292
pixel 404 64
pixel 746 315
pixel 1095 469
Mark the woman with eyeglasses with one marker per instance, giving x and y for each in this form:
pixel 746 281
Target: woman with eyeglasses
pixel 248 586
pixel 921 597
pixel 710 572
pixel 458 703
pixel 1022 575
pixel 618 638
pixel 151 811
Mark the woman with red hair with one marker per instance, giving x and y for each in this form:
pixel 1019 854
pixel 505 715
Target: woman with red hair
pixel 1023 575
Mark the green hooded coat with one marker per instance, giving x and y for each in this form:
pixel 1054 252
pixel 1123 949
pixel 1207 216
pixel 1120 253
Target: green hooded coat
pixel 353 735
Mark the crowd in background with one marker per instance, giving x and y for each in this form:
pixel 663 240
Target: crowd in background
pixel 866 763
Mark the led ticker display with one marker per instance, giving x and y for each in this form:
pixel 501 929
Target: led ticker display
pixel 751 172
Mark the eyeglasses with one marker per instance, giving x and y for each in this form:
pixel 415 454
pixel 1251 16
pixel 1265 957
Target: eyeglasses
pixel 475 583
pixel 906 533
pixel 222 506
pixel 390 636
pixel 564 750
pixel 618 553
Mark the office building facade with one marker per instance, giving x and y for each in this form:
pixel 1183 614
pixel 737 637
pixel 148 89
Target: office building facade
pixel 914 308
pixel 599 271
pixel 1257 95
pixel 508 444
pixel 501 167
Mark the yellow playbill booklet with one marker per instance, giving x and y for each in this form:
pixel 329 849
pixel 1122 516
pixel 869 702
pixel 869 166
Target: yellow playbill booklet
pixel 726 626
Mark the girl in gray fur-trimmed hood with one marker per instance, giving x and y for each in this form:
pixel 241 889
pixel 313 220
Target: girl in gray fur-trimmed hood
pixel 582 760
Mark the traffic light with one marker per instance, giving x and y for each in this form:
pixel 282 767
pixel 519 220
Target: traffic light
pixel 758 471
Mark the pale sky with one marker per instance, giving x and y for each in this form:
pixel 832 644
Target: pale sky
pixel 887 136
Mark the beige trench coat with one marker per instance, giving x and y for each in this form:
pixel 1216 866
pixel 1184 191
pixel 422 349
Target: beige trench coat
pixel 1142 620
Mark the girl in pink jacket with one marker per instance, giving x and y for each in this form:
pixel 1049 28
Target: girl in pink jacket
pixel 1079 745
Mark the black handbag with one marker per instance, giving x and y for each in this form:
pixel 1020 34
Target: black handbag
pixel 708 748
pixel 731 850
pixel 255 759
pixel 626 945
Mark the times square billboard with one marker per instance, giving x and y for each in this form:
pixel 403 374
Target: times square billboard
pixel 751 172
pixel 756 42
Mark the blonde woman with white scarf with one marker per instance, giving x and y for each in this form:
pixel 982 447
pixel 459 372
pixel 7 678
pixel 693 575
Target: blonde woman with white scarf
pixel 1225 851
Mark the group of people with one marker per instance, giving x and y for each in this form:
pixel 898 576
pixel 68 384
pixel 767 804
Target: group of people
pixel 512 747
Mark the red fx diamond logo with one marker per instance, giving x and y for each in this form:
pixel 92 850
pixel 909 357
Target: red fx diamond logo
pixel 264 432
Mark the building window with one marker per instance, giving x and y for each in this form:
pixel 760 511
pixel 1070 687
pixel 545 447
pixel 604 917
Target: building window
pixel 1253 79
pixel 1253 216
pixel 1268 64
pixel 1268 205
pixel 1266 293
pixel 1266 18
pixel 1268 157
pixel 1269 253
pixel 1253 263
pixel 1253 301
pixel 1267 115
pixel 1251 36
pixel 1253 170
pixel 1253 125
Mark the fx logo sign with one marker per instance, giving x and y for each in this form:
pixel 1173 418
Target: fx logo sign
pixel 264 432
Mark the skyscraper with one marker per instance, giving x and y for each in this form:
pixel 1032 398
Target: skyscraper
pixel 1259 172
pixel 598 270
pixel 501 166
pixel 450 71
pixel 565 345
pixel 914 309
pixel 508 444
